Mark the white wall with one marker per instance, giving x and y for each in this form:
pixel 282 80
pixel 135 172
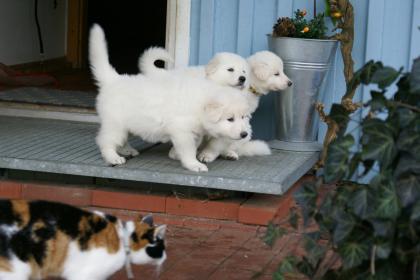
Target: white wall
pixel 18 33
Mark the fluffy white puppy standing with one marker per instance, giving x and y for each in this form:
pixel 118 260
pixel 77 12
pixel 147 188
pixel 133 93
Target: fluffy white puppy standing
pixel 161 109
pixel 226 69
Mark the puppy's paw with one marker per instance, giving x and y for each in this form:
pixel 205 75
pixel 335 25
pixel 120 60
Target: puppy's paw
pixel 172 154
pixel 128 151
pixel 196 166
pixel 231 155
pixel 206 157
pixel 115 160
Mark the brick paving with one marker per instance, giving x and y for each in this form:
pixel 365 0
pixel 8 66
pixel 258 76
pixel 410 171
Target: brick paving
pixel 196 253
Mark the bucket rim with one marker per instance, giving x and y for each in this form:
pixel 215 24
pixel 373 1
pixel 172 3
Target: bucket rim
pixel 302 39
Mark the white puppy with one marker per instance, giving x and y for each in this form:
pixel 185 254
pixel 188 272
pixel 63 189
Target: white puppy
pixel 226 69
pixel 161 109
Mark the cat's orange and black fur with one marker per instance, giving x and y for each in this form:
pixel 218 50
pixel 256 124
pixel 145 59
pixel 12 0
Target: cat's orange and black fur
pixel 40 239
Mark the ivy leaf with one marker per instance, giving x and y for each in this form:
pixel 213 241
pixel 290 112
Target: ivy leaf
pixel 339 114
pixel 382 228
pixel 273 233
pixel 409 141
pixel 378 142
pixel 387 202
pixel 405 116
pixel 360 202
pixel 344 225
pixel 415 76
pixel 336 163
pixel 306 198
pixel 354 163
pixel 286 266
pixel 369 70
pixel 407 164
pixel 408 189
pixel 305 267
pixel 314 250
pixel 383 249
pixel 415 214
pixel 385 76
pixel 353 254
pixel 378 101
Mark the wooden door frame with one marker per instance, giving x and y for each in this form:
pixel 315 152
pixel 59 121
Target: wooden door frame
pixel 177 42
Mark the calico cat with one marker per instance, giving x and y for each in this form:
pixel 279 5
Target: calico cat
pixel 40 239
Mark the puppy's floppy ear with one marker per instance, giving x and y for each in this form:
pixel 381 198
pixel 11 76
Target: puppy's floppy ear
pixel 214 110
pixel 261 71
pixel 212 66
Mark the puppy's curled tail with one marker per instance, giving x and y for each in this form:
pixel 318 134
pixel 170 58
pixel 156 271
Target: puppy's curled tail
pixel 102 70
pixel 147 60
pixel 253 148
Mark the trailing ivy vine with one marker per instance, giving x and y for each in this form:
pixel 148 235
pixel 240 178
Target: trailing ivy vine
pixel 369 230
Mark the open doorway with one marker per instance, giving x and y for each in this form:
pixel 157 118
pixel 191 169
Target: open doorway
pixel 130 27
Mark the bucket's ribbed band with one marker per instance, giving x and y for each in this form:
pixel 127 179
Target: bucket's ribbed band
pixel 306 65
pixel 312 146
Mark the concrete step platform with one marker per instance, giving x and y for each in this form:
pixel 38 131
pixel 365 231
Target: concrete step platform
pixel 67 147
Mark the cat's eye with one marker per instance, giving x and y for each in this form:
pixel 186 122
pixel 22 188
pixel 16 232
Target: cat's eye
pixel 230 69
pixel 277 74
pixel 231 119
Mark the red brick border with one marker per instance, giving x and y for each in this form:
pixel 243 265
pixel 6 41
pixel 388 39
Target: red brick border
pixel 259 209
pixel 129 201
pixel 74 195
pixel 10 189
pixel 223 210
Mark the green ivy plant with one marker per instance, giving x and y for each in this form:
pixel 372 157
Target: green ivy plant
pixel 365 230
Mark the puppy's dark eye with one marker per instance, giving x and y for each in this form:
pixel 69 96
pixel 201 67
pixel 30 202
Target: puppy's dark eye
pixel 231 119
pixel 277 74
pixel 230 69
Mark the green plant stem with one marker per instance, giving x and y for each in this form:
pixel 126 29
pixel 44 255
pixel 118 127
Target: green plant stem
pixel 372 260
pixel 415 270
pixel 405 105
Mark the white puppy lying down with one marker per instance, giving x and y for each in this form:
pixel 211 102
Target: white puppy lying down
pixel 266 74
pixel 161 109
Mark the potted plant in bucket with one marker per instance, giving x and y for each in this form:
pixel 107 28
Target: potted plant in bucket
pixel 307 54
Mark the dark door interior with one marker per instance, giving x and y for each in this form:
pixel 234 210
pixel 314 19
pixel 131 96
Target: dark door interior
pixel 130 27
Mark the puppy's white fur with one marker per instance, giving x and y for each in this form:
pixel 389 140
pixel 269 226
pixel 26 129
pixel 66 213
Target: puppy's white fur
pixel 226 69
pixel 266 74
pixel 161 109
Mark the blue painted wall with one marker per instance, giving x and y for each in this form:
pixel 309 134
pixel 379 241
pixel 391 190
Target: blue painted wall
pixel 385 30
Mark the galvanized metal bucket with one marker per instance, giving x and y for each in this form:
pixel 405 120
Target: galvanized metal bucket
pixel 306 61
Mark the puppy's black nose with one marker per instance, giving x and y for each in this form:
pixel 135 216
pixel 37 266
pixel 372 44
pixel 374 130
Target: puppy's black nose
pixel 242 79
pixel 289 83
pixel 244 134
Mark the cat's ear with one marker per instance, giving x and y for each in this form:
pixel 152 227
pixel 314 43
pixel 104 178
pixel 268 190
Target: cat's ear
pixel 148 219
pixel 160 232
